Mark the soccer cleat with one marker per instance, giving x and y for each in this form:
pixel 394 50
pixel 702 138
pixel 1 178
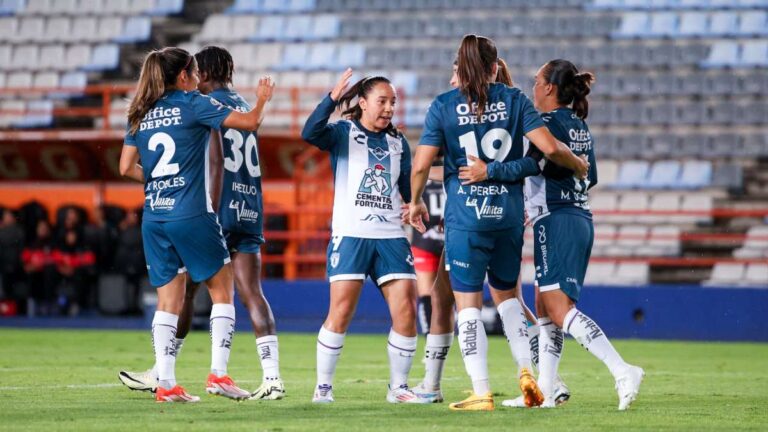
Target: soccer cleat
pixel 519 402
pixel 561 393
pixel 628 386
pixel 403 394
pixel 531 393
pixel 224 386
pixel 435 396
pixel 139 381
pixel 176 394
pixel 323 394
pixel 271 389
pixel 474 403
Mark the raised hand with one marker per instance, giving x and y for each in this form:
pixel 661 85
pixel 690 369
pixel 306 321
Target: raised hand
pixel 341 85
pixel 265 88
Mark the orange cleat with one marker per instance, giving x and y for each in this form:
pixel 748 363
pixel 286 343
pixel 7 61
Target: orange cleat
pixel 531 393
pixel 176 394
pixel 224 386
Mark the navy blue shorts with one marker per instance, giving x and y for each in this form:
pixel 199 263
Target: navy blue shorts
pixel 354 258
pixel 469 255
pixel 241 242
pixel 195 245
pixel 562 245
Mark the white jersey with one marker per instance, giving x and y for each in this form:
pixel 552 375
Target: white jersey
pixel 371 175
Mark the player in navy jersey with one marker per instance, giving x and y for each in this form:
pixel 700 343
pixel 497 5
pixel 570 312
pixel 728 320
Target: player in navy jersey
pixel 484 222
pixel 557 203
pixel 239 206
pixel 169 124
pixel 371 162
pixel 440 336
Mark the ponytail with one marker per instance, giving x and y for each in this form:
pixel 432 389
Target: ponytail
pixel 158 73
pixel 503 76
pixel 476 57
pixel 359 90
pixel 572 87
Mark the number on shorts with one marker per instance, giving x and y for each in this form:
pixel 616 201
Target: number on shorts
pixel 468 142
pixel 336 240
pixel 250 156
pixel 164 167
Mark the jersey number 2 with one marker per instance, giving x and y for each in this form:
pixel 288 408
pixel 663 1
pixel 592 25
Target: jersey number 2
pixel 164 167
pixel 236 140
pixel 469 143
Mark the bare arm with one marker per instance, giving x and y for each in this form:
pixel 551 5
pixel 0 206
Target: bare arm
pixel 558 152
pixel 419 172
pixel 251 120
pixel 216 167
pixel 129 164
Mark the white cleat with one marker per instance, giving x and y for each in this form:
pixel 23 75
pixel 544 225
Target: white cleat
pixel 271 389
pixel 323 394
pixel 628 386
pixel 519 402
pixel 433 396
pixel 405 395
pixel 139 381
pixel 561 393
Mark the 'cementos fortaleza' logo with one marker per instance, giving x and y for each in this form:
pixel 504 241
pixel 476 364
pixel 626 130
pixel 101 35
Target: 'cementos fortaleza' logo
pixel 375 189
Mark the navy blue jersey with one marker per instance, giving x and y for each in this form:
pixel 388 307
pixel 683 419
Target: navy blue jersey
pixel 556 188
pixel 241 205
pixel 173 145
pixel 491 205
pixel 371 170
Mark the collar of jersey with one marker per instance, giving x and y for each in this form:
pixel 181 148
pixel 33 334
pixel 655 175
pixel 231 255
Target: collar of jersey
pixel 368 132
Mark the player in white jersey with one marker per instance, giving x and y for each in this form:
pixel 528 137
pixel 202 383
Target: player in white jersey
pixel 371 162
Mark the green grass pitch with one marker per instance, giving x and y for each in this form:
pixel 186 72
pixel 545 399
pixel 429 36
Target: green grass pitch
pixel 67 380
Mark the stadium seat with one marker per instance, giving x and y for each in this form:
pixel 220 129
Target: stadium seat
pixel 600 273
pixel 36 7
pixel 728 175
pixel 631 273
pixel 269 55
pixel 756 275
pixel 664 203
pixel 753 23
pixel 77 56
pixel 19 80
pixel 6 54
pixel 321 56
pixel 628 239
pixel 45 80
pixel 723 24
pixel 216 28
pixel 294 56
pixel 663 24
pixel 608 171
pixel 242 79
pixel 755 245
pixel 166 7
pixel 633 24
pixel 605 237
pixel 663 175
pixel 136 29
pixel 245 6
pixel 726 274
pixel 292 79
pixel 692 24
pixel 634 203
pixel 270 28
pixel 57 29
pixel 11 111
pixel 84 29
pixel 350 55
pixel 632 174
pixel 31 29
pixel 94 7
pixel 110 27
pixel 700 203
pixel 2 79
pixel 39 114
pixel 723 53
pixel 663 241
pixel 242 28
pixel 320 80
pixel 695 175
pixel 244 55
pixel 103 57
pixel 296 28
pixel 325 27
pixel 11 7
pixel 72 82
pixel 754 54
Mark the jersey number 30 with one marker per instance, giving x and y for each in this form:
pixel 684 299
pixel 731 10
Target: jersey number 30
pixel 236 145
pixel 468 142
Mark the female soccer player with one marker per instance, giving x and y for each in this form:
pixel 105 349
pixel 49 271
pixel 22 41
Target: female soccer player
pixel 371 161
pixel 484 223
pixel 169 124
pixel 563 233
pixel 239 206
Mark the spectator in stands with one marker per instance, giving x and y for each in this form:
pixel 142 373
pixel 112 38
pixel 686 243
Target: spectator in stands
pixel 76 265
pixel 11 246
pixel 37 260
pixel 129 253
pixel 100 236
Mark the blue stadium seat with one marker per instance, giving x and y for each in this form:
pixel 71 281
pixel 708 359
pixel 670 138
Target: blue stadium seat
pixel 664 24
pixel 104 57
pixel 350 55
pixel 663 175
pixel 136 29
pixel 11 7
pixel 723 53
pixel 294 57
pixel 39 114
pixel 632 174
pixel 297 27
pixel 270 28
pixel 754 53
pixel 301 5
pixel 325 27
pixel 728 175
pixel 633 24
pixel 753 23
pixel 692 24
pixel 405 81
pixel 166 7
pixel 322 56
pixel 723 23
pixel 245 6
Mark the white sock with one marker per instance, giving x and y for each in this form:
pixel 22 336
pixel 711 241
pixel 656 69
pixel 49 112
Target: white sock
pixel 533 344
pixel 179 344
pixel 516 330
pixel 550 351
pixel 592 337
pixel 269 355
pixel 164 342
pixel 329 345
pixel 401 350
pixel 435 354
pixel 222 330
pixel 474 349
